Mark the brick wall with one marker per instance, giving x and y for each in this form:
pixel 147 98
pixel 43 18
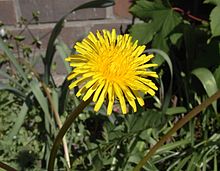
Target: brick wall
pixel 78 25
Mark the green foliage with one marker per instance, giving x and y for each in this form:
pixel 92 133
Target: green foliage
pixel 159 20
pixel 188 51
pixel 192 44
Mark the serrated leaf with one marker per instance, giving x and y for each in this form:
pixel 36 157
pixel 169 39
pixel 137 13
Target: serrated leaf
pixel 160 43
pixel 165 19
pixel 143 32
pixel 146 9
pixel 215 21
pixel 208 81
pixel 170 21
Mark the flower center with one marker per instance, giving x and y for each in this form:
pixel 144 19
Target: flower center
pixel 113 64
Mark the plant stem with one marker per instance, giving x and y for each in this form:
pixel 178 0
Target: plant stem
pixel 53 108
pixel 6 167
pixel 63 131
pixel 176 127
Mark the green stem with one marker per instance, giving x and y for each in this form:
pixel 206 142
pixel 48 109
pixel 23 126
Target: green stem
pixel 6 167
pixel 176 127
pixel 63 131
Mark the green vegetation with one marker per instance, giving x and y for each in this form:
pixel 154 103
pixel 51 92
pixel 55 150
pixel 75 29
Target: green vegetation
pixel 187 49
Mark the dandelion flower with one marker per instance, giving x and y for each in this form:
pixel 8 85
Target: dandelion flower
pixel 112 67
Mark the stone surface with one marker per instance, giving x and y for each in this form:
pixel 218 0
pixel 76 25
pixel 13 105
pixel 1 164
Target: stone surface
pixel 7 12
pixel 53 10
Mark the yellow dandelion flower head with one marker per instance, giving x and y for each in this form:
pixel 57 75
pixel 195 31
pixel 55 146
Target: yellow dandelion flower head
pixel 113 67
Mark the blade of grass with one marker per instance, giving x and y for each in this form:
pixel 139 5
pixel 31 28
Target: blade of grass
pixel 64 52
pixel 208 81
pixel 176 127
pixel 35 88
pixel 12 58
pixel 169 91
pixel 63 96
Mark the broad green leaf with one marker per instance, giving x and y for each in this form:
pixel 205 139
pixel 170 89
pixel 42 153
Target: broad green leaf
pixel 20 120
pixel 159 43
pixel 143 32
pixel 208 81
pixel 64 52
pixel 146 9
pixel 164 19
pixel 171 20
pixel 215 2
pixel 217 76
pixel 215 21
pixel 174 38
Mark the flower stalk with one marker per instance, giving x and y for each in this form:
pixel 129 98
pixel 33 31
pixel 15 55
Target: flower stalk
pixel 63 131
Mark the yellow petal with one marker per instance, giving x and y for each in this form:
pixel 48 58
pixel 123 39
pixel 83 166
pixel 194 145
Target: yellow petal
pixel 101 98
pixel 138 97
pixel 96 95
pixel 111 98
pixel 90 91
pixel 78 82
pixel 148 83
pixel 113 36
pixel 92 37
pixel 81 91
pixel 131 100
pixel 151 92
pixel 120 96
pixel 145 66
pixel 72 75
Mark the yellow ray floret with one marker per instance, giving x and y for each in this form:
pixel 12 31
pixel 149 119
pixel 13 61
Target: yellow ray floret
pixel 112 67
